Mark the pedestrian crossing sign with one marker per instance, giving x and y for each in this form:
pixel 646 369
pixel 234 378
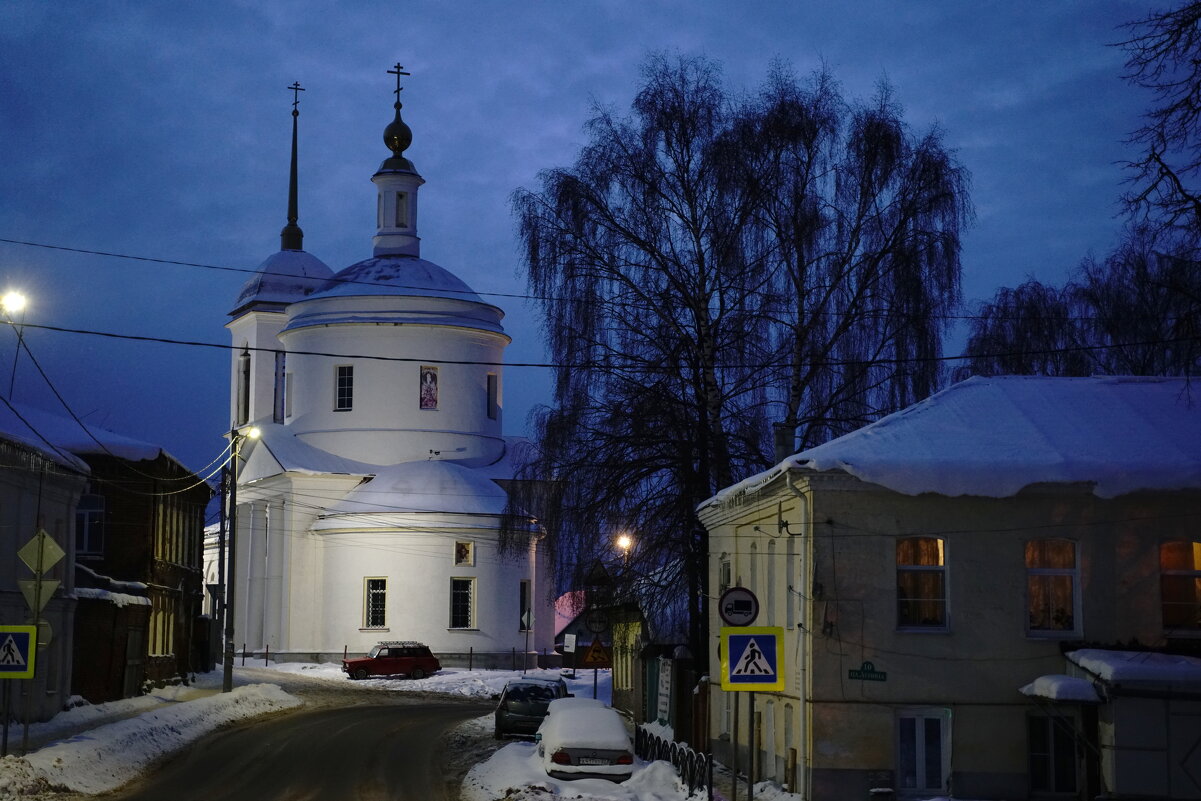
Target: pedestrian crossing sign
pixel 17 651
pixel 752 658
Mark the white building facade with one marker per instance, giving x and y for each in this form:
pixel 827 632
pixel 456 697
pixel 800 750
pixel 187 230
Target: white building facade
pixel 371 507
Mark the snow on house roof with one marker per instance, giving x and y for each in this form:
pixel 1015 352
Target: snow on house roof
pixel 1139 667
pixel 993 436
pixel 64 440
pixel 1059 687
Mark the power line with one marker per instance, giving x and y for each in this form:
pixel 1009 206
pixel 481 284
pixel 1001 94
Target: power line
pixel 609 366
pixel 877 313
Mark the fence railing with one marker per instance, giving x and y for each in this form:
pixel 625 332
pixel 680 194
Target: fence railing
pixel 692 764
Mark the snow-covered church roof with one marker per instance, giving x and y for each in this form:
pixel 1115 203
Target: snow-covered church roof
pixel 442 489
pixel 283 277
pixel 397 275
pixel 993 436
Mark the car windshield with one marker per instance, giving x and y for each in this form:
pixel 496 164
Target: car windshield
pixel 530 692
pixel 375 651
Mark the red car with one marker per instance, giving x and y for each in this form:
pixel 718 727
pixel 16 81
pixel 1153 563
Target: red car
pixel 394 658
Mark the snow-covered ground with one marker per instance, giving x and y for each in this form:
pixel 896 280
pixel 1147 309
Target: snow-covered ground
pixel 94 749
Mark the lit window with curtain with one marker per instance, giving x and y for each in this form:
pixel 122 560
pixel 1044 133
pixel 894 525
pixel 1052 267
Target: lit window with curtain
pixel 1180 584
pixel 921 583
pixel 1051 584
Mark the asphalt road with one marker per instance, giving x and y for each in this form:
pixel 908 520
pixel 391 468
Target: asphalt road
pixel 368 752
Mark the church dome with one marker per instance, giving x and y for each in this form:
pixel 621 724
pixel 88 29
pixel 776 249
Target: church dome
pixel 442 490
pixel 397 276
pixel 283 278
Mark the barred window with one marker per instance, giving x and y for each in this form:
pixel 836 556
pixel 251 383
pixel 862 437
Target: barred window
pixel 344 388
pixel 462 606
pixel 375 603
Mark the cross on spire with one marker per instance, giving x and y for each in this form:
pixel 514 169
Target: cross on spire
pixel 398 71
pixel 296 90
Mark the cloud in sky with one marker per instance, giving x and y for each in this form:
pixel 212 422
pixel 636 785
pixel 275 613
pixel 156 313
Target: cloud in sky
pixel 162 130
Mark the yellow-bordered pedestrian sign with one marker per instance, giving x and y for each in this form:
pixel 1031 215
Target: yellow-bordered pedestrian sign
pixel 752 658
pixel 18 650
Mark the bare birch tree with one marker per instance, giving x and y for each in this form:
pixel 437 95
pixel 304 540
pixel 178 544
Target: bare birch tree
pixel 711 268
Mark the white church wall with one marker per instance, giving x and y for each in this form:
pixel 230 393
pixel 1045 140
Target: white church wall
pixel 248 333
pixel 386 423
pixel 419 567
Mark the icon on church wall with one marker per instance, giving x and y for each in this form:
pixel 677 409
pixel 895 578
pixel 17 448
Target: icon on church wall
pixel 429 387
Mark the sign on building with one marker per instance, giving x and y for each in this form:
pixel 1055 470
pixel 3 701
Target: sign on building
pixel 752 659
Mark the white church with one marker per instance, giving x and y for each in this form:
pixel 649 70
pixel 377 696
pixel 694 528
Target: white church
pixel 370 507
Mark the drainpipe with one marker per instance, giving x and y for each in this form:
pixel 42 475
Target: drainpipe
pixel 805 638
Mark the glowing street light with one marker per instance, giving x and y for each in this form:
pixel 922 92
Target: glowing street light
pixel 625 542
pixel 236 438
pixel 13 303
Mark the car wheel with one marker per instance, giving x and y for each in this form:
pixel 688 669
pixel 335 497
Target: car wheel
pixel 417 673
pixel 360 674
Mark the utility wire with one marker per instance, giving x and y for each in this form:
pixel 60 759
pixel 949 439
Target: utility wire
pixel 650 368
pixel 880 313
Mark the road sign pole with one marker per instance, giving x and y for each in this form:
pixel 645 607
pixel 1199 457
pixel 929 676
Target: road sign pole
pixel 8 698
pixel 750 759
pixel 737 711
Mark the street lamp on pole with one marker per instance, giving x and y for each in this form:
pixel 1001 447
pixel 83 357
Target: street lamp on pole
pixel 625 542
pixel 236 438
pixel 14 303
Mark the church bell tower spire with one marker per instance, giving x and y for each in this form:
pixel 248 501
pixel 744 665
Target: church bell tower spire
pixel 397 182
pixel 291 237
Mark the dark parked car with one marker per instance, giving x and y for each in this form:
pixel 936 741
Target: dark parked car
pixel 523 705
pixel 394 658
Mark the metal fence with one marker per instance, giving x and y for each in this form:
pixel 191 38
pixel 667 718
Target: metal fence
pixel 692 765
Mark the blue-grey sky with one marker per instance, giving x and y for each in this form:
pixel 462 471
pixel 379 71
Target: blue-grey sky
pixel 162 130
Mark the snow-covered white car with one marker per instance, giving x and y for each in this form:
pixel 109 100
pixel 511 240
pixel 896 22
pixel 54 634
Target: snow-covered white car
pixel 582 738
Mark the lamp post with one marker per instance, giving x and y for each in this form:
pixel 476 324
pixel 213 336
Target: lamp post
pixel 236 438
pixel 14 303
pixel 626 543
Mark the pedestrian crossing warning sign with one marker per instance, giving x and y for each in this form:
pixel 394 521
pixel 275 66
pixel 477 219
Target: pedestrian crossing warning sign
pixel 17 651
pixel 752 658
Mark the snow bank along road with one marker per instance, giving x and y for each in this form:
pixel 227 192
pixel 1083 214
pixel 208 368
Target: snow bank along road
pixel 87 760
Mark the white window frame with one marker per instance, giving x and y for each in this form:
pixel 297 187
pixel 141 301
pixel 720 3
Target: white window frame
pixel 943 569
pixel 89 526
pixel 1074 574
pixel 493 396
pixel 922 786
pixel 471 621
pixel 525 604
pixel 368 592
pixel 1194 574
pixel 343 377
pixel 402 211
pixel 1052 723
